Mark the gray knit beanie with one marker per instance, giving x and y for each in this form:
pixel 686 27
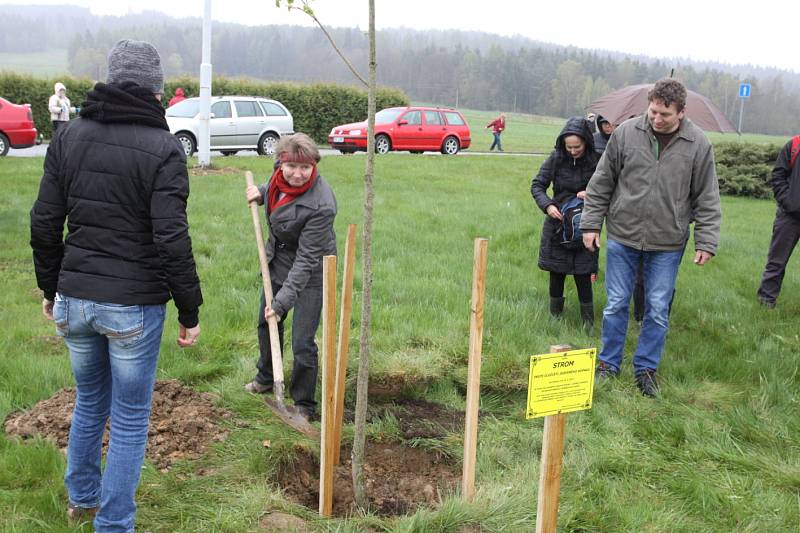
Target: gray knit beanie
pixel 136 61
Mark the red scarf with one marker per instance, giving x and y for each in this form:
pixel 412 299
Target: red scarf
pixel 278 185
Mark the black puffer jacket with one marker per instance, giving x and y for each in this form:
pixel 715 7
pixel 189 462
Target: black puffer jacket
pixel 600 137
pixel 119 178
pixel 568 176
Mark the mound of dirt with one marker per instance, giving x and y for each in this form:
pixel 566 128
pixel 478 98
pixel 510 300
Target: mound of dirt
pixel 183 423
pixel 398 479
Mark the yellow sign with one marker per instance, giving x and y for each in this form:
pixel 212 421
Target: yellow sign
pixel 561 382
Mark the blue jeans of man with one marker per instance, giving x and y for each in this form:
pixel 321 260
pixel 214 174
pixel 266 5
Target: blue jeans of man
pixel 660 273
pixel 114 350
pixel 496 141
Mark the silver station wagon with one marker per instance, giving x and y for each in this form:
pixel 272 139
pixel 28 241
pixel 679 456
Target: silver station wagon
pixel 236 123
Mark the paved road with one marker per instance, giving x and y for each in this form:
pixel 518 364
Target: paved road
pixel 41 150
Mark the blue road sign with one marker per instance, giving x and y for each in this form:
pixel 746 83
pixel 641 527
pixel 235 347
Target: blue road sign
pixel 744 90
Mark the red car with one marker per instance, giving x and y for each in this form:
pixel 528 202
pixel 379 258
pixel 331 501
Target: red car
pixel 413 128
pixel 16 126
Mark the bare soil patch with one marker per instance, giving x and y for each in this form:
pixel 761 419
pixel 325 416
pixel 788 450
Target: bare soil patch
pixel 200 171
pixel 183 423
pixel 417 418
pixel 398 479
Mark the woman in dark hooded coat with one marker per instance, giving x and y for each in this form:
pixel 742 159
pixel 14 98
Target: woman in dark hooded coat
pixel 569 168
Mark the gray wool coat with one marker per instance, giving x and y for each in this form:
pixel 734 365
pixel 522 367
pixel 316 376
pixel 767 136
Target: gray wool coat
pixel 300 235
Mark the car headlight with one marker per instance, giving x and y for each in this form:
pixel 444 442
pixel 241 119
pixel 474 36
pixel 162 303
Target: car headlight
pixel 355 132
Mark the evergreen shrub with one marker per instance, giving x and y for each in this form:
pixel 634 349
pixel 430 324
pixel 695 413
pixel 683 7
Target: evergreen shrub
pixel 316 108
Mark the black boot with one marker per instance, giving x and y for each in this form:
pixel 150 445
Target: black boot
pixel 556 306
pixel 587 314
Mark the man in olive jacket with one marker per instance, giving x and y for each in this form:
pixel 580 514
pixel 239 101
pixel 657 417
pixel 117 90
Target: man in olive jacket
pixel 656 175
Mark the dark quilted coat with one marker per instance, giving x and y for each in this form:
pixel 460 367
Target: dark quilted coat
pixel 568 177
pixel 122 188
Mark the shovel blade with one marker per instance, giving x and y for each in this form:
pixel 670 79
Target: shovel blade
pixel 292 417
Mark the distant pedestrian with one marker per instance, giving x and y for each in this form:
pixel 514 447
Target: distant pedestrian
pixel 647 218
pixel 786 228
pixel 59 106
pixel 591 118
pixel 498 126
pixel 568 168
pixel 118 177
pixel 603 133
pixel 179 97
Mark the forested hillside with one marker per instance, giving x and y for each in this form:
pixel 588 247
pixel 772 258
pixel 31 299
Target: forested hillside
pixel 467 69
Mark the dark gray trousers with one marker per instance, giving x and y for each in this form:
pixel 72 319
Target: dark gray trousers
pixel 305 321
pixel 785 234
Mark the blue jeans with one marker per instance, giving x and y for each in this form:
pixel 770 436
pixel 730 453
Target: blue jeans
pixel 660 272
pixel 496 142
pixel 113 349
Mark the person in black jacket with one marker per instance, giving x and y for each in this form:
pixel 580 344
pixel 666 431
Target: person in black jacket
pixel 786 228
pixel 119 179
pixel 603 134
pixel 569 168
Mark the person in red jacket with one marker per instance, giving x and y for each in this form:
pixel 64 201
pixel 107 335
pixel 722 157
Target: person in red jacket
pixel 179 97
pixel 498 126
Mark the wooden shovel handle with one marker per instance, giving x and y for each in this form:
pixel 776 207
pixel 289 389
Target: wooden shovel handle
pixel 274 338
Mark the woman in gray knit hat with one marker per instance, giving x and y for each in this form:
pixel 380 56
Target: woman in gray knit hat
pixel 120 178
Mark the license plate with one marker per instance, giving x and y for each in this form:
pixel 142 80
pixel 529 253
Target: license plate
pixel 338 139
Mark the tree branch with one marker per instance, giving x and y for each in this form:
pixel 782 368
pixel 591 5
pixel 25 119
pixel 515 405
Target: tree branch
pixel 308 11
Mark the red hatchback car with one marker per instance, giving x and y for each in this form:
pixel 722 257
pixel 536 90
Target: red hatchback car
pixel 416 129
pixel 16 126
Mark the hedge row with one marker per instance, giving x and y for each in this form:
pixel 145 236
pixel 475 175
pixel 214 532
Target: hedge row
pixel 745 169
pixel 315 108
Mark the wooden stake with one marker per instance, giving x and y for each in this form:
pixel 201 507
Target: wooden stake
pixel 328 376
pixel 344 338
pixel 550 469
pixel 474 373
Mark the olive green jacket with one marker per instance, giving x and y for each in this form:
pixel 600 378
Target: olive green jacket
pixel 649 201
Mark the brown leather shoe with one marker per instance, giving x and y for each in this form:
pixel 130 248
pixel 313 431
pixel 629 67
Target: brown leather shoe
pixel 78 515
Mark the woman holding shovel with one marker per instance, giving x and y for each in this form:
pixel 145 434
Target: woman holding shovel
pixel 300 208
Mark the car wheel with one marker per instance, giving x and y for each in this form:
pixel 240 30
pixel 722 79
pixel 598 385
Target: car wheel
pixel 187 141
pixel 267 144
pixel 4 145
pixel 227 153
pixel 382 144
pixel 450 146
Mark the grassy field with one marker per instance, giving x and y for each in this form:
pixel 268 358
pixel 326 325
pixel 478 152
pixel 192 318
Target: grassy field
pixel 536 134
pixel 717 452
pixel 49 63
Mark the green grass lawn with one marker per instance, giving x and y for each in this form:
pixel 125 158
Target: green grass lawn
pixel 537 134
pixel 717 452
pixel 49 63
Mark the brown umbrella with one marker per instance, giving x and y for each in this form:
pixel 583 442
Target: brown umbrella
pixel 619 105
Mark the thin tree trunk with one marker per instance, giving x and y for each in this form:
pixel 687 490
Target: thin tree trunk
pixel 360 437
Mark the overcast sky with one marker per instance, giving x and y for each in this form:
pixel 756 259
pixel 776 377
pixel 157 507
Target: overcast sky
pixel 754 32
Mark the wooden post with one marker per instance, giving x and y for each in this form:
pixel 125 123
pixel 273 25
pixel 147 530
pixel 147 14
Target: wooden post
pixel 344 338
pixel 328 375
pixel 550 469
pixel 474 373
